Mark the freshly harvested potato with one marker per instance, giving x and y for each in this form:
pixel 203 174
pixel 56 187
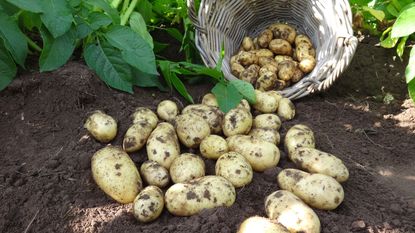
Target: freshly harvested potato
pixel 116 174
pixel 307 64
pixel 266 82
pixel 266 102
pixel 148 204
pixel 237 121
pixel 234 59
pixel 280 47
pixel 297 76
pixel 281 84
pixel 286 70
pixel 260 154
pixel 286 109
pixel 289 177
pixel 145 114
pixel 258 224
pixel 263 61
pixel 186 199
pixel 163 145
pixel 235 168
pixel 287 209
pixel 281 58
pixel 191 129
pixel 276 95
pixel 167 110
pixel 316 161
pixel 213 146
pixel 268 121
pixel 301 39
pixel 245 105
pixel 267 68
pixel 101 126
pixel 266 134
pixel 250 74
pixel 210 100
pixel 247 58
pixel 303 51
pixel 299 136
pixel 248 44
pixel 155 174
pixel 237 69
pixel 283 31
pixel 212 115
pixel 264 53
pixel 136 136
pixel 187 167
pixel 256 45
pixel 264 38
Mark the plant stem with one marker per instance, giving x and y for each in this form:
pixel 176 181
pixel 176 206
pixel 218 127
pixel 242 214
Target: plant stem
pixel 115 3
pixel 32 44
pixel 125 6
pixel 126 15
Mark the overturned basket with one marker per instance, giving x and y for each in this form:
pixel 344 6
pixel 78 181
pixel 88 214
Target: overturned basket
pixel 327 22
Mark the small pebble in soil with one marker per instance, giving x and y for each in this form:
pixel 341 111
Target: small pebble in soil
pixel 358 225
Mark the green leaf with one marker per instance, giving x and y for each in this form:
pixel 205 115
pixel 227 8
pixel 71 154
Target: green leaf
pixel 109 65
pixel 134 50
pixel 147 80
pixel 245 89
pixel 166 71
pixel 138 25
pixel 410 68
pixel 404 24
pixel 401 46
pixel 56 51
pixel 57 16
pixel 98 20
pixel 28 5
pixel 7 67
pixel 227 95
pixel 378 14
pixel 14 40
pixel 392 10
pixel 411 89
pixel 106 7
pixel 8 8
pixel 158 46
pixel 179 86
pixel 389 42
pixel 30 20
pixel 83 30
pixel 145 8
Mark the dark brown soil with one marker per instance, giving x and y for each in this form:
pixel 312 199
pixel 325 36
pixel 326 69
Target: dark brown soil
pixel 45 177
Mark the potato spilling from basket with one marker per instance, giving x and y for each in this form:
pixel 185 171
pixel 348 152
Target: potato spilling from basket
pixel 276 59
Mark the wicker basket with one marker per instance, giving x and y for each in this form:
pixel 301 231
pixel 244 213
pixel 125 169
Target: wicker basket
pixel 327 22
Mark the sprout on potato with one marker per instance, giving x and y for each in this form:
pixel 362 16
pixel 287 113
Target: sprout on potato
pixel 101 126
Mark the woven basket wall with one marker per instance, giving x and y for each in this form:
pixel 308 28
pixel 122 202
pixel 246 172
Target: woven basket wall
pixel 327 22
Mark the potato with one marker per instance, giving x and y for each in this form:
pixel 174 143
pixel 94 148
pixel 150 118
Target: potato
pixel 297 76
pixel 286 70
pixel 210 100
pixel 167 110
pixel 264 38
pixel 291 212
pixel 260 154
pixel 280 47
pixel 276 95
pixel 303 51
pixel 237 121
pixel 269 121
pixel 149 204
pixel 289 177
pixel 247 58
pixel 186 199
pixel 163 145
pixel 301 39
pixel 116 174
pixel 244 104
pixel 191 129
pixel 101 126
pixel 256 45
pixel 235 168
pixel 237 69
pixel 307 65
pixel 266 134
pixel 281 84
pixel 299 136
pixel 267 68
pixel 212 115
pixel 281 58
pixel 145 114
pixel 316 161
pixel 263 61
pixel 266 102
pixel 250 74
pixel 248 44
pixel 258 224
pixel 187 167
pixel 136 136
pixel 266 82
pixel 283 31
pixel 264 53
pixel 234 59
pixel 213 146
pixel 286 109
pixel 154 174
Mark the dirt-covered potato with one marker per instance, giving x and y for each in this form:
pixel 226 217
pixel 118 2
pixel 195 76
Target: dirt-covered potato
pixel 163 145
pixel 297 76
pixel 286 70
pixel 281 58
pixel 101 126
pixel 234 59
pixel 256 45
pixel 213 146
pixel 286 109
pixel 247 58
pixel 281 84
pixel 280 47
pixel 248 44
pixel 250 74
pixel 316 161
pixel 237 69
pixel 307 64
pixel 186 199
pixel 264 53
pixel 167 110
pixel 258 224
pixel 287 209
pixel 301 39
pixel 148 204
pixel 267 81
pixel 299 136
pixel 235 168
pixel 154 174
pixel 145 114
pixel 136 136
pixel 276 95
pixel 289 177
pixel 237 121
pixel 266 102
pixel 267 68
pixel 264 38
pixel 191 129
pixel 303 51
pixel 260 154
pixel 245 105
pixel 187 167
pixel 116 174
pixel 212 115
pixel 268 121
pixel 266 134
pixel 263 61
pixel 210 100
pixel 283 31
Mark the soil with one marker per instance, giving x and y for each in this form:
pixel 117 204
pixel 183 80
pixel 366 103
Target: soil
pixel 45 176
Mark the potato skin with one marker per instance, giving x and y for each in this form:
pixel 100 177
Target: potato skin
pixel 289 177
pixel 136 136
pixel 266 102
pixel 286 70
pixel 213 146
pixel 297 76
pixel 250 74
pixel 244 104
pixel 270 121
pixel 116 174
pixel 268 68
pixel 247 58
pixel 101 126
pixel 154 174
pixel 235 168
pixel 287 209
pixel 163 145
pixel 237 121
pixel 281 58
pixel 264 53
pixel 191 129
pixel 281 47
pixel 300 39
pixel 266 134
pixel 286 109
pixel 145 114
pixel 303 51
pixel 210 100
pixel 148 204
pixel 187 167
pixel 283 31
pixel 316 161
pixel 264 38
pixel 261 225
pixel 266 81
pixel 167 110
pixel 186 199
pixel 248 43
pixel 237 69
pixel 299 136
pixel 263 61
pixel 212 115
pixel 307 64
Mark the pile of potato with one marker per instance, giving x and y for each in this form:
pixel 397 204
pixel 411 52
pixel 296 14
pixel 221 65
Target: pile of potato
pixel 243 141
pixel 276 59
